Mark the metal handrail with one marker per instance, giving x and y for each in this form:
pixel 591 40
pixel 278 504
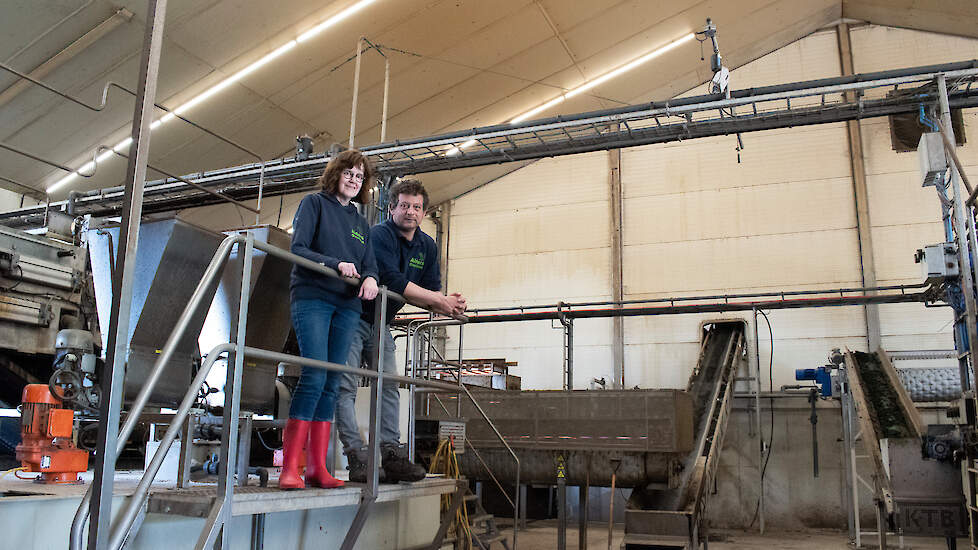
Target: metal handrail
pixel 214 269
pixel 455 387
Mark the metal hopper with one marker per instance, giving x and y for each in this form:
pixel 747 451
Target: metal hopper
pixel 268 315
pixel 170 261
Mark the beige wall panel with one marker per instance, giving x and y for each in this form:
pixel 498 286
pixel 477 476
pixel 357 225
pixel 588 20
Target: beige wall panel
pixel 793 207
pixel 899 199
pixel 883 48
pixel 894 247
pixel 742 262
pixel 531 278
pixel 566 180
pixel 914 319
pixel 527 230
pixel 775 156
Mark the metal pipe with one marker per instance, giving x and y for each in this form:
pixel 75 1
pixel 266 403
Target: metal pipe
pixel 42 160
pixel 760 433
pixel 703 308
pixel 356 92
pixel 387 83
pixel 110 405
pixel 132 506
pixel 207 190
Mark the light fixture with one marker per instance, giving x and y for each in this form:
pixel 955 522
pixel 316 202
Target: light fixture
pixel 267 58
pixel 584 87
pixel 604 78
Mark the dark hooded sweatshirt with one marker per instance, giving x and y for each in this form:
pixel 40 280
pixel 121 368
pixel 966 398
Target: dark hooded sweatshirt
pixel 328 233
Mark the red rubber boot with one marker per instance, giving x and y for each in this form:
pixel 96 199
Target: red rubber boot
pixel 293 443
pixel 316 473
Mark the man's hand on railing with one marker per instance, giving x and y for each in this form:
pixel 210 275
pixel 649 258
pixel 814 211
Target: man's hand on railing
pixel 347 269
pixel 368 289
pixel 458 303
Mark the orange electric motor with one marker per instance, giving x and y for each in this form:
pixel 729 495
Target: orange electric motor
pixel 46 445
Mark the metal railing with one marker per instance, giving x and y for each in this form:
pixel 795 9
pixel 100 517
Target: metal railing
pixel 415 338
pixel 236 351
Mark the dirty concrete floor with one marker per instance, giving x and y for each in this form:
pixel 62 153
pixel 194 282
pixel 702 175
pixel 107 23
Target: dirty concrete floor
pixel 542 535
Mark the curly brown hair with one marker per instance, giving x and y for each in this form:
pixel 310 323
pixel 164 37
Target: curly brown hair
pixel 330 180
pixel 410 187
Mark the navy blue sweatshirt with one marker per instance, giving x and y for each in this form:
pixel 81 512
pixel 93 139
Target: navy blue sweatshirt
pixel 400 261
pixel 328 233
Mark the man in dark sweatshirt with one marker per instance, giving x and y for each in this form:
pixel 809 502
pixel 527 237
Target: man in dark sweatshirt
pixel 407 261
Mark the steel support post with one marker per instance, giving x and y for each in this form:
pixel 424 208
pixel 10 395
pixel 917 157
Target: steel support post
pixel 243 460
pixel 561 511
pixel 220 514
pixel 582 505
pixel 258 532
pixel 110 408
pixel 861 195
pixel 847 448
pixel 186 447
pixel 617 277
pixel 369 493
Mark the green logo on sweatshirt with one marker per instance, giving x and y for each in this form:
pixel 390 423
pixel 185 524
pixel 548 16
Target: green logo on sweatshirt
pixel 417 262
pixel 357 235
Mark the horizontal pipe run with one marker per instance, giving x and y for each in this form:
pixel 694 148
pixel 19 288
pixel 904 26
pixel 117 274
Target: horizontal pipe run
pixel 725 297
pixel 701 308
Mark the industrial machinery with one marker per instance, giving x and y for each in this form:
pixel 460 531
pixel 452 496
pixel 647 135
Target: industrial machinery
pixel 914 469
pixel 46 434
pixel 44 288
pixel 664 444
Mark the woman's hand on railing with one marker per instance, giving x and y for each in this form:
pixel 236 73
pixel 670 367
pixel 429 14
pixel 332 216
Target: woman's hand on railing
pixel 347 269
pixel 368 288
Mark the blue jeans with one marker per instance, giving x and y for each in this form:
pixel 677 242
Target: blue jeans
pixel 361 349
pixel 324 332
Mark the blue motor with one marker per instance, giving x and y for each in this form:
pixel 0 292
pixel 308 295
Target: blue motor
pixel 820 375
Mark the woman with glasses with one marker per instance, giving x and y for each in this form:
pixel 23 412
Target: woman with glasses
pixel 325 310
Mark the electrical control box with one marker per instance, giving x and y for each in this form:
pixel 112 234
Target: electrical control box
pixel 938 262
pixel 933 162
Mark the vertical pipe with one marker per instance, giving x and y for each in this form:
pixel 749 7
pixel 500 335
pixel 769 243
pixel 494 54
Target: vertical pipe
pixel 412 391
pixel 373 458
pixel 387 84
pixel 570 354
pixel 458 397
pixel 760 432
pixel 356 93
pixel 261 188
pixel 110 408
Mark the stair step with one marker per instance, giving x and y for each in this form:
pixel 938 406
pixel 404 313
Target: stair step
pixel 479 518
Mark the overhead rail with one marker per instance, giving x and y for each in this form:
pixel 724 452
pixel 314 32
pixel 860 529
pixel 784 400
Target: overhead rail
pixel 35 193
pixel 763 108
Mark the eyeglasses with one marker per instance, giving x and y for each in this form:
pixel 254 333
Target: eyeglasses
pixel 357 176
pixel 409 206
